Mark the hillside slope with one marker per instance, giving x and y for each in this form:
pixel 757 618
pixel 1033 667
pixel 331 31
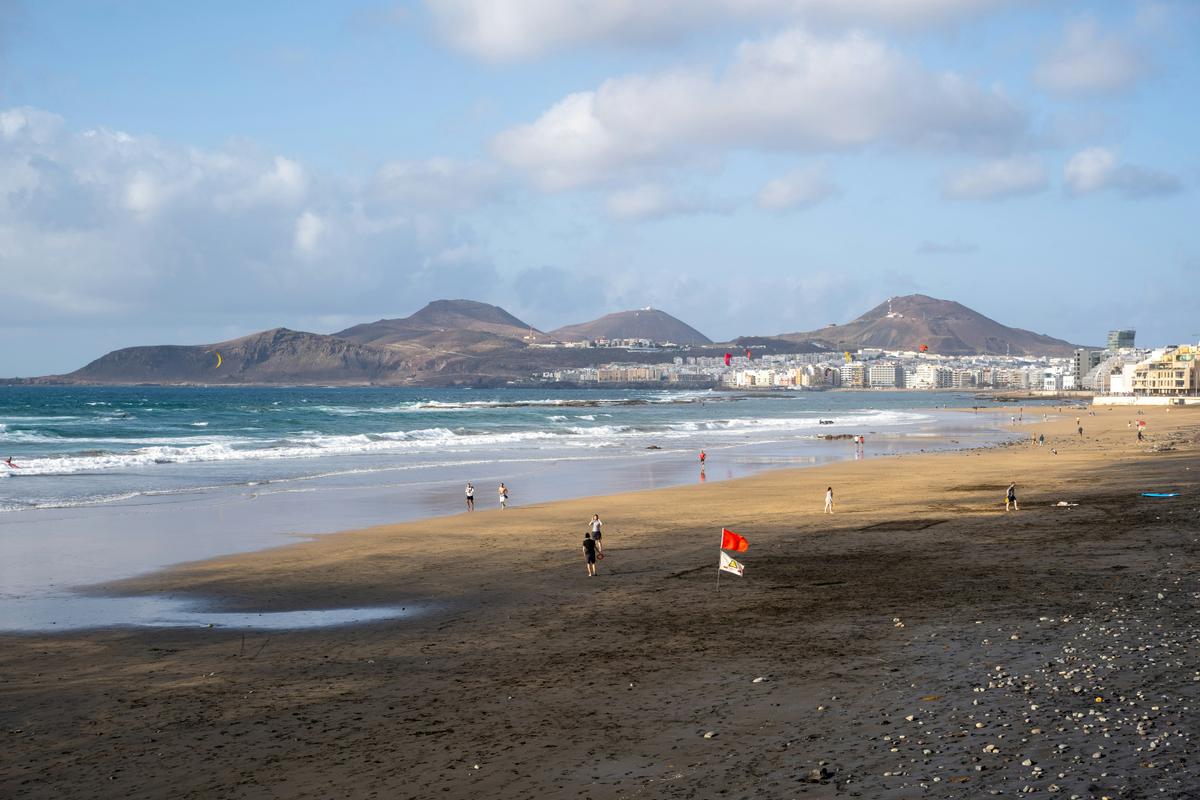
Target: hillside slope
pixel 443 316
pixel 645 323
pixel 278 355
pixel 946 327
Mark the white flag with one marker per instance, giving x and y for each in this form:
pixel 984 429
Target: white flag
pixel 731 565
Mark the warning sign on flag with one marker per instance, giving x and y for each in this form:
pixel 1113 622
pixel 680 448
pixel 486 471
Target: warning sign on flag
pixel 731 565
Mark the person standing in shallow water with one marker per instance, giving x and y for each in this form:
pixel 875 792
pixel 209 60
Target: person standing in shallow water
pixel 829 500
pixel 1011 497
pixel 470 496
pixel 503 493
pixel 589 554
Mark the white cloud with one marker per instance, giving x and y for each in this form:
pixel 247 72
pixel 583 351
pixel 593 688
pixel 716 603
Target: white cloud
pixel 802 187
pixel 792 92
pixel 1097 169
pixel 654 201
pixel 996 179
pixel 1087 61
pixel 100 223
pixel 501 30
pixel 284 182
pixel 142 194
pixel 309 228
pixel 437 183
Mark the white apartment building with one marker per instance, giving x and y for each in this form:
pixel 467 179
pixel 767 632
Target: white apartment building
pixel 885 376
pixel 931 376
pixel 854 375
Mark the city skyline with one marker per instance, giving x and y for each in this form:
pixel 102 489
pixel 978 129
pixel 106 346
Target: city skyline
pixel 179 175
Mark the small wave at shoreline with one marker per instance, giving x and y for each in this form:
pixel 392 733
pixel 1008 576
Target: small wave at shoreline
pixel 426 440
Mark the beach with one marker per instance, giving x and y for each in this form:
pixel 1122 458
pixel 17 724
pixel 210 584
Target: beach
pixel 918 642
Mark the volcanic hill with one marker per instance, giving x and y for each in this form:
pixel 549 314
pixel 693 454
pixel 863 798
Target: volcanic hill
pixel 944 326
pixel 644 323
pixel 444 317
pixel 278 355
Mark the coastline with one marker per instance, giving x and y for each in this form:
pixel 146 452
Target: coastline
pixel 555 685
pixel 47 550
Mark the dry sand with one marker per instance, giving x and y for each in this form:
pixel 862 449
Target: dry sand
pixel 919 642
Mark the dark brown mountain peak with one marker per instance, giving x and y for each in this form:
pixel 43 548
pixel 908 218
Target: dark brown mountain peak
pixel 643 323
pixel 942 326
pixel 443 316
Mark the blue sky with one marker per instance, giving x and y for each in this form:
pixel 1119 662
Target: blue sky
pixel 187 173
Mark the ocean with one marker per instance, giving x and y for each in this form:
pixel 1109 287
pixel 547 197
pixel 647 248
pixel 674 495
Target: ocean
pixel 115 481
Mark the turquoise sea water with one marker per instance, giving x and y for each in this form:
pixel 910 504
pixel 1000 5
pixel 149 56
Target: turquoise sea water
pixel 77 446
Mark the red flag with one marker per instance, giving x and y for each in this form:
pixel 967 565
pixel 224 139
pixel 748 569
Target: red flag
pixel 731 541
pixel 728 358
pixel 748 355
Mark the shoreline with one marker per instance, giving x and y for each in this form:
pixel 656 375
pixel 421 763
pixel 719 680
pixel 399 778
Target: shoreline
pixel 917 642
pixel 226 521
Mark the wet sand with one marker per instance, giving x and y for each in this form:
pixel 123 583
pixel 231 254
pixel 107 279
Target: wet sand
pixel 918 642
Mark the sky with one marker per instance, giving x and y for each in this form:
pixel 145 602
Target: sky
pixel 185 173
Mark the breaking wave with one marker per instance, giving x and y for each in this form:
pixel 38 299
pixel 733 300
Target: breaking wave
pixel 485 443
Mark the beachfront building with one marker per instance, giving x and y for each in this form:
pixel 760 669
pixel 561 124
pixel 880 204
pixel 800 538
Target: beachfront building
pixel 854 375
pixel 1083 362
pixel 885 376
pixel 616 374
pixel 966 378
pixel 930 376
pixel 1172 373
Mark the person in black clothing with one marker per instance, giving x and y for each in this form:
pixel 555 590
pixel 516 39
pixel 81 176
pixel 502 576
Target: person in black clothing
pixel 589 553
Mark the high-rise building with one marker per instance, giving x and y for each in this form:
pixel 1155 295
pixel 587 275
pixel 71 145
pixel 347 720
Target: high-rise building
pixel 1118 340
pixel 1083 362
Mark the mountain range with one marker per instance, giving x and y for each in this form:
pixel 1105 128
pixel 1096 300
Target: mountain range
pixel 464 342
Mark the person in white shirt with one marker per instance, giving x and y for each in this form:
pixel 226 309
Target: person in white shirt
pixel 470 496
pixel 594 527
pixel 829 500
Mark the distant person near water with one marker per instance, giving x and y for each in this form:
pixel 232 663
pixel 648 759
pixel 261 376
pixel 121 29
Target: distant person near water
pixel 1010 497
pixel 470 496
pixel 503 492
pixel 594 529
pixel 829 500
pixel 9 462
pixel 589 554
pixel 703 457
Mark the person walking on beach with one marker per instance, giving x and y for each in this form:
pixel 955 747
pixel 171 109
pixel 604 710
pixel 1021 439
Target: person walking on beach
pixel 594 529
pixel 470 496
pixel 1080 430
pixel 703 458
pixel 589 553
pixel 503 492
pixel 829 500
pixel 1010 497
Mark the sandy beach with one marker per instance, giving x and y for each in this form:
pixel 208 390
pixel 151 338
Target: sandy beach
pixel 918 642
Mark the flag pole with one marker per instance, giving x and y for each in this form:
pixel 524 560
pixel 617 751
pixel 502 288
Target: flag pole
pixel 719 560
